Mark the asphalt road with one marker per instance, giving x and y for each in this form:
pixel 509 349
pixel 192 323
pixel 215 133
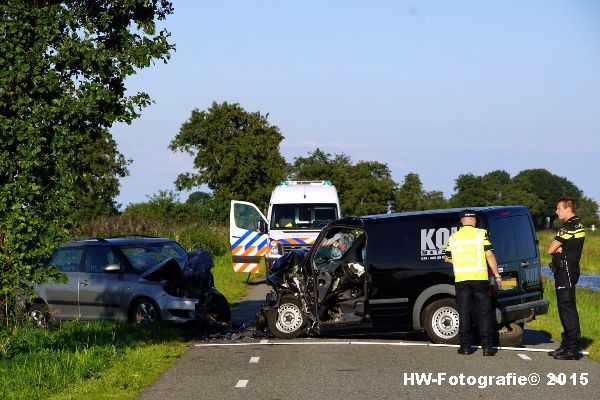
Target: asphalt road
pixel 370 367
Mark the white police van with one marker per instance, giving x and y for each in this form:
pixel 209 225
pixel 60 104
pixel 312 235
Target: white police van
pixel 298 210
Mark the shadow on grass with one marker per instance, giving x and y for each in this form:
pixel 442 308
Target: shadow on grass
pixel 586 342
pixel 76 336
pixel 534 337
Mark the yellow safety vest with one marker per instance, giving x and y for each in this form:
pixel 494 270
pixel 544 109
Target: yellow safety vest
pixel 468 254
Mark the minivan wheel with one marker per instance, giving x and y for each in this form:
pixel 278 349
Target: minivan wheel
pixel 144 311
pixel 441 321
pixel 288 320
pixel 510 335
pixel 40 316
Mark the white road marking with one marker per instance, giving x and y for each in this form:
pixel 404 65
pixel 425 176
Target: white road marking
pixel 254 359
pixel 524 356
pixel 355 343
pixel 242 383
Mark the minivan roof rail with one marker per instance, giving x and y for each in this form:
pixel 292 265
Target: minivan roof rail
pixel 126 235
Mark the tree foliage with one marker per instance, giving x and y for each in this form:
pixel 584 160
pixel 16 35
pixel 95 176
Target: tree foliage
pixel 62 70
pixel 235 152
pixel 548 188
pixel 411 196
pixel 364 188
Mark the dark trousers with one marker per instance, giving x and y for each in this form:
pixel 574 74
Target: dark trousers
pixel 565 282
pixel 474 294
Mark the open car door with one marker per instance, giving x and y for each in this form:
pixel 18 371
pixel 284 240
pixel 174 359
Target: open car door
pixel 248 236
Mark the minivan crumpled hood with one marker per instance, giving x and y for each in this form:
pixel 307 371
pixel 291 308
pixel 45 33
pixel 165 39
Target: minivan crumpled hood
pixel 193 265
pixel 167 270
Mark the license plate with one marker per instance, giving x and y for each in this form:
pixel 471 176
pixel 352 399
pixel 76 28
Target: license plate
pixel 508 283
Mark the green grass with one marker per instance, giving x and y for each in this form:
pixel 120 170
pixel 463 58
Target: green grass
pixel 590 258
pixel 94 360
pixel 588 303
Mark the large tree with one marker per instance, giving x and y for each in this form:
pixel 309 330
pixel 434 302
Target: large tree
pixel 493 188
pixel 364 188
pixel 236 153
pixel 548 188
pixel 63 65
pixel 411 196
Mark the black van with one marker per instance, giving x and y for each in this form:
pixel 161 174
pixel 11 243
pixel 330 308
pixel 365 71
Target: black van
pixel 386 273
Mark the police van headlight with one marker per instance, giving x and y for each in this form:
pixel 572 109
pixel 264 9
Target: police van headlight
pixel 274 245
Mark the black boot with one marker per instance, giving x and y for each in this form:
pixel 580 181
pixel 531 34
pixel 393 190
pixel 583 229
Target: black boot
pixel 488 351
pixel 557 351
pixel 464 350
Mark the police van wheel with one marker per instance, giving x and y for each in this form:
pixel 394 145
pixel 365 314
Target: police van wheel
pixel 288 320
pixel 510 335
pixel 441 321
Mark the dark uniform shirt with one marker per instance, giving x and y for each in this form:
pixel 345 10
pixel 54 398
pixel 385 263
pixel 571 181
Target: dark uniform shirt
pixel 571 236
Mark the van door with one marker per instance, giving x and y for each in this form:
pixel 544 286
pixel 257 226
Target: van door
pixel 517 254
pixel 248 236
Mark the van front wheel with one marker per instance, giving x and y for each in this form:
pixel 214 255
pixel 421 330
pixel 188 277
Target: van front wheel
pixel 441 321
pixel 288 320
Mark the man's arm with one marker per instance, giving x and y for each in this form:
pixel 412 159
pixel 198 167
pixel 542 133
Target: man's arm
pixel 555 247
pixel 491 259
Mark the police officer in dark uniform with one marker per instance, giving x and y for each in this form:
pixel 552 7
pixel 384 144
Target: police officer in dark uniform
pixel 566 251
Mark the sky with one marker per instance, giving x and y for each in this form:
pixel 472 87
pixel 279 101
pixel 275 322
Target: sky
pixel 437 88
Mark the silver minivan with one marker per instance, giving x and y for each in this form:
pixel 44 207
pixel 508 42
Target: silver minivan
pixel 130 279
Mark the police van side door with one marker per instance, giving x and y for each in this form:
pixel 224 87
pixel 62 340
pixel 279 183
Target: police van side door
pixel 248 236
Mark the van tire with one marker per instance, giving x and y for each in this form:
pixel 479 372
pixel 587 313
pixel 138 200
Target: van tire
pixel 441 321
pixel 510 335
pixel 288 320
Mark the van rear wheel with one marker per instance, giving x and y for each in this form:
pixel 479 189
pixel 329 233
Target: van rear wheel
pixel 441 321
pixel 510 335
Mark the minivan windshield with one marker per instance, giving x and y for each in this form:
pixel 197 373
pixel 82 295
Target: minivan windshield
pixel 145 256
pixel 302 216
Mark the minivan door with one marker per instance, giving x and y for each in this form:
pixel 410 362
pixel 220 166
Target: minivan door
pixel 63 298
pixel 248 236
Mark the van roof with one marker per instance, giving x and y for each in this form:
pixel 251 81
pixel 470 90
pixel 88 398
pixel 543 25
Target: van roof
pixel 489 211
pixel 304 193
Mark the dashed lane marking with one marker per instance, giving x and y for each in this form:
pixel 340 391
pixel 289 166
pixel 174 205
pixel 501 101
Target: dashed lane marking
pixel 254 359
pixel 524 356
pixel 241 383
pixel 361 343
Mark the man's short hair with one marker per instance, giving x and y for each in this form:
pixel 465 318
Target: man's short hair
pixel 568 203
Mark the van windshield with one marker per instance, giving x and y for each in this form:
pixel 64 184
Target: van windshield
pixel 302 216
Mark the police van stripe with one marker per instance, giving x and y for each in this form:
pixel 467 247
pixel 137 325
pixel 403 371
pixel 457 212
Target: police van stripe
pixel 241 239
pixel 246 267
pixel 254 239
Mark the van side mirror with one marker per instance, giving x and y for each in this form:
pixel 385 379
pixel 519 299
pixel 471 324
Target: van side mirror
pixel 111 268
pixel 262 226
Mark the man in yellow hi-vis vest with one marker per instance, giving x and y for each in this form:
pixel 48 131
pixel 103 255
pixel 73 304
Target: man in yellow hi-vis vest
pixel 469 250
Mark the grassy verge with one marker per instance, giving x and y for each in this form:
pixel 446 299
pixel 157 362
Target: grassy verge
pixel 105 360
pixel 590 258
pixel 36 364
pixel 588 303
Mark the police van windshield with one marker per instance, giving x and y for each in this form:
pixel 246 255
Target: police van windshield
pixel 302 216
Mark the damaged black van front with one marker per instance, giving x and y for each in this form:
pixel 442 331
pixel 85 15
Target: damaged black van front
pixel 386 273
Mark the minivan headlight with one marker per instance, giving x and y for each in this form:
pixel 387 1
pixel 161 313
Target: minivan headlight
pixel 274 245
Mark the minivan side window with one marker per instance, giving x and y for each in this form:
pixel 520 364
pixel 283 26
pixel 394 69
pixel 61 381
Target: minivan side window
pixel 67 259
pixel 99 257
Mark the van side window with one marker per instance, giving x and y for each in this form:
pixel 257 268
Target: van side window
pixel 67 260
pixel 524 237
pixel 513 238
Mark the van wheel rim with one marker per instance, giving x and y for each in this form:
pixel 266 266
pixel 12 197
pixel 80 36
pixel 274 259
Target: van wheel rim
pixel 289 318
pixel 445 322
